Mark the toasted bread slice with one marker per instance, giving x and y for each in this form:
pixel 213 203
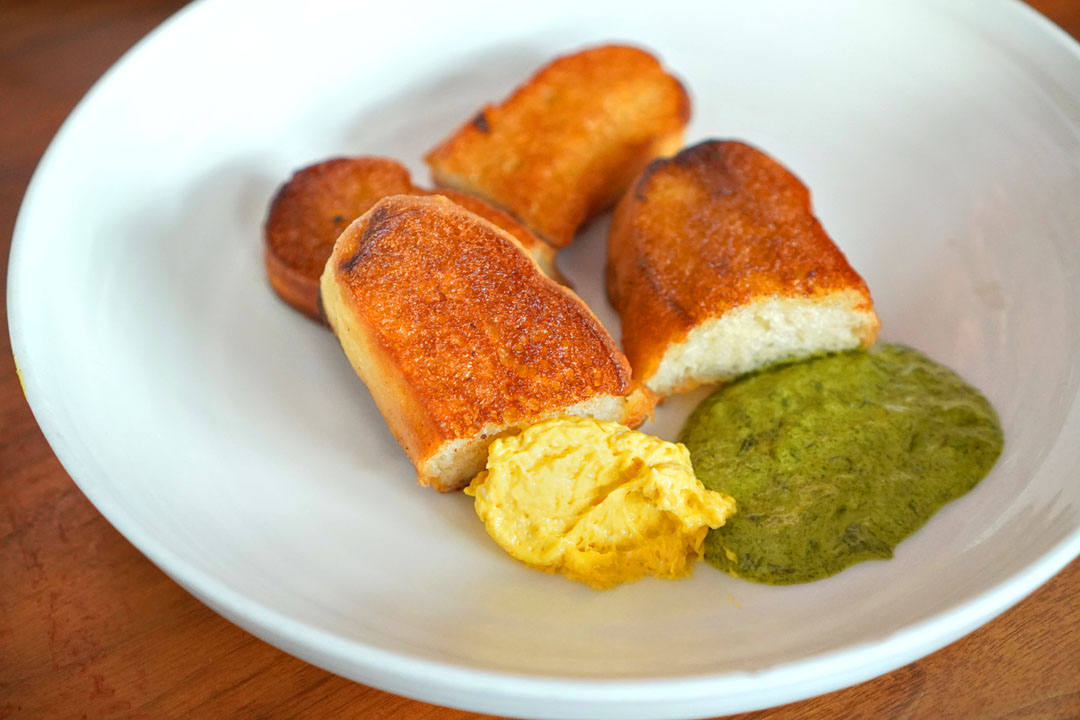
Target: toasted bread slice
pixel 717 266
pixel 318 202
pixel 460 338
pixel 565 145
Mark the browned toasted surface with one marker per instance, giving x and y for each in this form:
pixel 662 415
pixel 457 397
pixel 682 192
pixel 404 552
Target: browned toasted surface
pixel 566 144
pixel 318 202
pixel 493 214
pixel 478 335
pixel 706 231
pixel 310 211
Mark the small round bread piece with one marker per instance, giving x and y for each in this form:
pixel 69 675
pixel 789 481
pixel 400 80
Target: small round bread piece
pixel 718 267
pixel 311 210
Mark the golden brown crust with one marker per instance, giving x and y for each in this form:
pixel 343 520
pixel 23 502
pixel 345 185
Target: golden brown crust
pixel 318 202
pixel 699 234
pixel 310 211
pixel 543 253
pixel 474 336
pixel 566 144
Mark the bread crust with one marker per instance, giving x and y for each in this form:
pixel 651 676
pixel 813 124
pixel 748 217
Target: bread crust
pixel 457 333
pixel 714 228
pixel 310 211
pixel 542 252
pixel 565 145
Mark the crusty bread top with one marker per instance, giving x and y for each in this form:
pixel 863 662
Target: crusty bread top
pixel 566 144
pixel 542 252
pixel 310 211
pixel 480 337
pixel 493 214
pixel 698 234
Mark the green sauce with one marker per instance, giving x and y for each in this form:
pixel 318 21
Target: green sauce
pixel 836 460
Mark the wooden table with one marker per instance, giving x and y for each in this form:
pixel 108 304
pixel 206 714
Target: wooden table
pixel 89 628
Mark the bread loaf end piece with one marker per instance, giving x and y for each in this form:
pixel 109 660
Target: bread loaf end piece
pixel 718 267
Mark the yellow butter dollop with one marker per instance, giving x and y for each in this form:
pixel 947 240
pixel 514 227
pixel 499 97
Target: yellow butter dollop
pixel 596 501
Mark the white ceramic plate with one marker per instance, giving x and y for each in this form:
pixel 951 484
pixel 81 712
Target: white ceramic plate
pixel 228 439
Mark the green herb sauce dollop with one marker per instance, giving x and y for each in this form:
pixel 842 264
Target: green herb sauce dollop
pixel 835 460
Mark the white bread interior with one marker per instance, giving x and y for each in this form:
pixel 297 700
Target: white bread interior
pixel 456 462
pixel 763 332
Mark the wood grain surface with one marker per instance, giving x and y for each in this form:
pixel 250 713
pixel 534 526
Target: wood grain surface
pixel 91 629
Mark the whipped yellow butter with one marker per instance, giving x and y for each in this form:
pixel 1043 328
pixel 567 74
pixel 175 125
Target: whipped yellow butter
pixel 596 501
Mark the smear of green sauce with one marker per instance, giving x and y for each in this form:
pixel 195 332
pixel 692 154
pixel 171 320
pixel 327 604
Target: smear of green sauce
pixel 835 460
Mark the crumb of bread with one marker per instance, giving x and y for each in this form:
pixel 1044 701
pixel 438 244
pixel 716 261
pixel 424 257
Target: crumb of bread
pixel 761 333
pixel 458 461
